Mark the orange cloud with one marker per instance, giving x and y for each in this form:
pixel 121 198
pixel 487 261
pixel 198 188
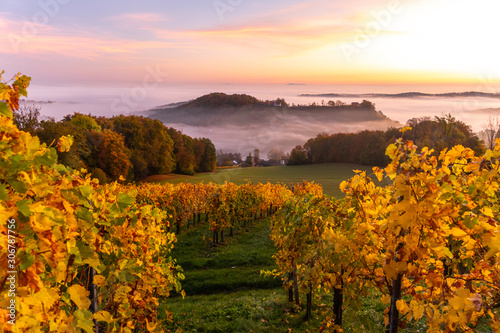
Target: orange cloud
pixel 46 40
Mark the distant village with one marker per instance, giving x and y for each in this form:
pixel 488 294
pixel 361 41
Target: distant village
pixel 275 157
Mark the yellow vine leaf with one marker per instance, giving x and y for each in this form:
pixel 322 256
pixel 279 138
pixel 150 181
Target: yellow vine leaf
pixel 417 310
pixel 79 295
pixel 402 307
pixel 458 233
pixel 99 280
pixel 379 173
pixel 48 297
pixel 386 299
pixel 104 316
pixel 494 245
pixel 64 143
pixel 487 211
pixel 151 326
pixel 84 320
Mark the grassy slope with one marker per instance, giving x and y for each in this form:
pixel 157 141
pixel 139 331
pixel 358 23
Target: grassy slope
pixel 226 293
pixel 329 175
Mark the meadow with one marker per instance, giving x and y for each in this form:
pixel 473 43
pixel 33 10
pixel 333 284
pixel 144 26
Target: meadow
pixel 328 175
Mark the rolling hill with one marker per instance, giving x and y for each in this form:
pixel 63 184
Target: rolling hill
pixel 242 123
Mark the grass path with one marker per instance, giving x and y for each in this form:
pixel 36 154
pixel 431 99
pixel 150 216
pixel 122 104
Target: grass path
pixel 226 292
pixel 224 287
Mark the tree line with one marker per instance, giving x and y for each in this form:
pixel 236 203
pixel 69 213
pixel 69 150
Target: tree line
pixel 130 146
pixel 368 147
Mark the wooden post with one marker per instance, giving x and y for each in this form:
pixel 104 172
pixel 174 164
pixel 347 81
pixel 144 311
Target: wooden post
pixel 92 288
pixel 296 285
pixel 393 312
pixel 309 303
pixel 337 301
pixel 395 295
pixel 309 297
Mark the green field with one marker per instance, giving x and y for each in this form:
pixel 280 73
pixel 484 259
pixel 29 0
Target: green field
pixel 329 175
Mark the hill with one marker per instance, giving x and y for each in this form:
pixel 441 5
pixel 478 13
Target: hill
pixel 243 123
pixel 411 95
pixel 242 109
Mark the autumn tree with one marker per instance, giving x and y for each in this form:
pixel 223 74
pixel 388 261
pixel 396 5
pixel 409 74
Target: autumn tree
pixel 79 155
pixel 149 142
pixel 111 153
pixel 205 155
pixel 183 152
pixel 84 122
pixel 368 147
pixel 298 156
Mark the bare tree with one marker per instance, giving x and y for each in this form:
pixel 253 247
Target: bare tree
pixel 491 130
pixel 27 118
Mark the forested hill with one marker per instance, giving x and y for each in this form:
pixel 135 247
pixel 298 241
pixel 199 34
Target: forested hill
pixel 221 100
pixel 239 109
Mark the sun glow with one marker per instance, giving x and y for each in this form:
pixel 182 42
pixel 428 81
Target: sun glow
pixel 366 41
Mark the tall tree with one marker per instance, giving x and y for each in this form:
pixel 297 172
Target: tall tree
pixel 112 155
pixel 298 156
pixel 205 155
pixel 149 142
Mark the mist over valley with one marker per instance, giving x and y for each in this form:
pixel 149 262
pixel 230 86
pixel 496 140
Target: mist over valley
pixel 242 123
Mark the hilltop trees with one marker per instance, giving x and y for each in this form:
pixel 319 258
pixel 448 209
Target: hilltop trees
pixel 215 100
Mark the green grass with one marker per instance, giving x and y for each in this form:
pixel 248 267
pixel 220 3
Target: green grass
pixel 226 293
pixel 328 175
pixel 228 267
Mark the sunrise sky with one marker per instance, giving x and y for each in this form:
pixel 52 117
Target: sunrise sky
pixel 252 41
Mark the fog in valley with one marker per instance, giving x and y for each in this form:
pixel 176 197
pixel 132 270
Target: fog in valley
pixel 278 128
pixel 243 133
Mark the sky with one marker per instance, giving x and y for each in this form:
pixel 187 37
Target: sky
pixel 434 42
